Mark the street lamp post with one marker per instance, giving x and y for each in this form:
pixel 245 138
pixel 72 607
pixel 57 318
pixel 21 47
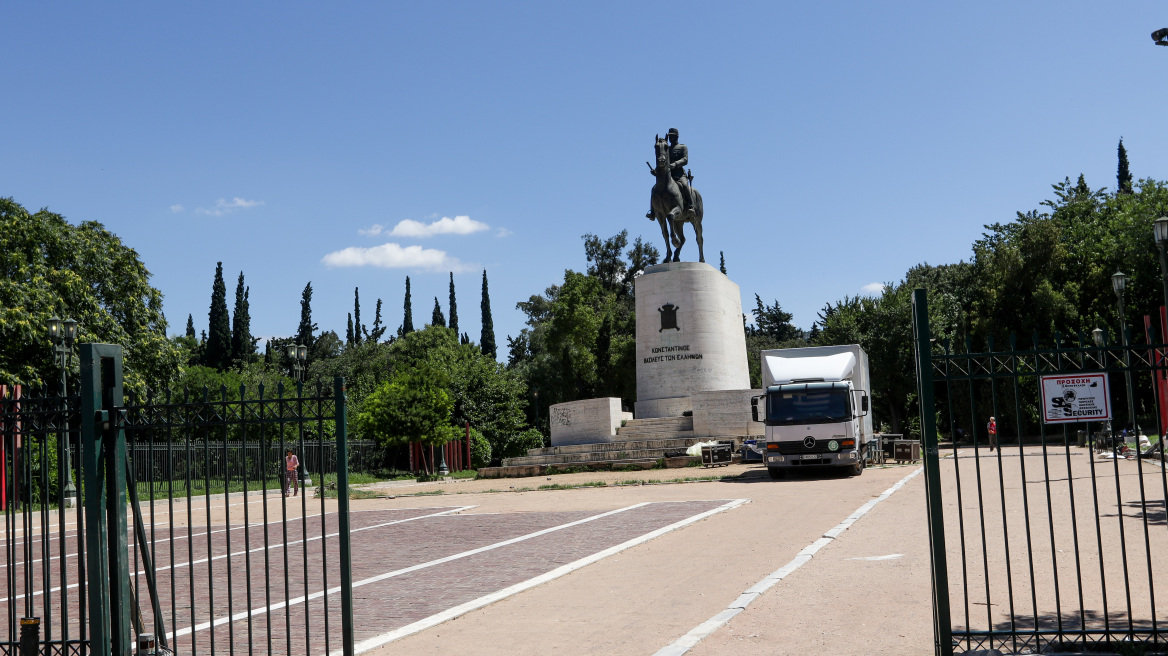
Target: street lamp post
pixel 62 334
pixel 1160 231
pixel 1097 337
pixel 298 354
pixel 1118 284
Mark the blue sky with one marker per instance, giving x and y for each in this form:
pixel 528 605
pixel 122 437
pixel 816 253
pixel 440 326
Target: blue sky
pixel 835 144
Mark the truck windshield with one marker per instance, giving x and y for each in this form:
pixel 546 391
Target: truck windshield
pixel 808 407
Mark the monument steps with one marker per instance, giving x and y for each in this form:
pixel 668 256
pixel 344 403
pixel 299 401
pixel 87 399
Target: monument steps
pixel 621 452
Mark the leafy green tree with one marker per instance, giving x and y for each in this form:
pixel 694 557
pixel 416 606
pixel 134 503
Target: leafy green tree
pixel 407 325
pixel 453 306
pixel 491 398
pixel 1123 176
pixel 772 321
pixel 218 353
pixel 307 329
pixel 413 406
pixel 49 267
pixel 436 317
pixel 487 338
pixel 243 345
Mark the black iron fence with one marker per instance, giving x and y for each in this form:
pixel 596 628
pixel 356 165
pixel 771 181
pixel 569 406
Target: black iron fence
pixel 1039 544
pixel 185 530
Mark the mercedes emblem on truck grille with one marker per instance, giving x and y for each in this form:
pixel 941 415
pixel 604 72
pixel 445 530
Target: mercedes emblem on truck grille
pixel 809 442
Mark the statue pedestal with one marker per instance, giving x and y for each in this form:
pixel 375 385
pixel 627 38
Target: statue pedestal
pixel 690 337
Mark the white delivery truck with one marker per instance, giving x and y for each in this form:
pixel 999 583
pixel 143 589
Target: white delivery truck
pixel 815 408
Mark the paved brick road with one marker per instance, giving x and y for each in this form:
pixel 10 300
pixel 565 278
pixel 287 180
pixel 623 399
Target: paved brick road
pixel 408 565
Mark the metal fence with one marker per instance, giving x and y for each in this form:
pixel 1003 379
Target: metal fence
pixel 1039 544
pixel 182 531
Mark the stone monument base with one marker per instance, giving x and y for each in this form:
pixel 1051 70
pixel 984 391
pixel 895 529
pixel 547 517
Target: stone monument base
pixel 592 421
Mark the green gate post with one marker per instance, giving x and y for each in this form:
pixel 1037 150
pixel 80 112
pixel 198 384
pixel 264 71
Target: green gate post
pixel 103 469
pixel 343 518
pixel 942 626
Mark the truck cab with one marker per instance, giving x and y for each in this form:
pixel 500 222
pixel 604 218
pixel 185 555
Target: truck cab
pixel 814 413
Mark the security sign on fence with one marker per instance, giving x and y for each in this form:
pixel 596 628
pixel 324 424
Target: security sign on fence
pixel 1078 397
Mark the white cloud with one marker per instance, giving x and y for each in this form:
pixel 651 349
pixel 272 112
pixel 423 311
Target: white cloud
pixel 459 225
pixel 372 230
pixel 224 206
pixel 176 208
pixel 503 232
pixel 873 288
pixel 395 256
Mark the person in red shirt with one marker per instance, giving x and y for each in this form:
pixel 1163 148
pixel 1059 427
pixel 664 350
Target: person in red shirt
pixel 992 429
pixel 291 462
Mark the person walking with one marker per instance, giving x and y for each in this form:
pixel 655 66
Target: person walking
pixel 291 463
pixel 992 429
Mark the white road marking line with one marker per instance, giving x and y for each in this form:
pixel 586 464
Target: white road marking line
pixel 874 558
pixel 387 575
pixel 701 631
pixel 451 613
pixel 262 548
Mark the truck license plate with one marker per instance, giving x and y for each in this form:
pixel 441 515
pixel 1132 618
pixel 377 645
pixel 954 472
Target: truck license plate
pixel 810 456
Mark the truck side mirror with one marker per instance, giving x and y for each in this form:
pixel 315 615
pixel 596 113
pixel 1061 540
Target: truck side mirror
pixel 864 403
pixel 754 408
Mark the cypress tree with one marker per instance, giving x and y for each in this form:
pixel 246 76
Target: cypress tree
pixel 242 345
pixel 218 354
pixel 453 306
pixel 357 327
pixel 304 333
pixel 487 340
pixel 191 327
pixel 378 329
pixel 407 325
pixel 1123 178
pixel 349 331
pixel 722 262
pixel 436 317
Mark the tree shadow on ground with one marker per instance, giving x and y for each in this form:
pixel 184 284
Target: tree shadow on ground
pixel 1135 510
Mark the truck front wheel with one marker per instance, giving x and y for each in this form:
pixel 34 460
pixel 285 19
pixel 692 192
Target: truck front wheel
pixel 776 473
pixel 856 469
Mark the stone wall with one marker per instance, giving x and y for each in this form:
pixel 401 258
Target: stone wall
pixel 725 413
pixel 585 422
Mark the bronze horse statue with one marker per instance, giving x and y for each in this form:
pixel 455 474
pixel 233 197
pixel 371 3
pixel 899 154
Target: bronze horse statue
pixel 668 207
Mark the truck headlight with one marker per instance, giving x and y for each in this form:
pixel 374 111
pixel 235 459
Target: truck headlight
pixel 833 445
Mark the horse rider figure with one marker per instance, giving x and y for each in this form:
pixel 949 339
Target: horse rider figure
pixel 678 158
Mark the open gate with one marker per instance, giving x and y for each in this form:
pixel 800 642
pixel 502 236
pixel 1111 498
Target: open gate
pixel 183 535
pixel 1055 538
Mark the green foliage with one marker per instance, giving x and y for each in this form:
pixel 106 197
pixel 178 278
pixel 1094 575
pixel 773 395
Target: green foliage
pixel 487 337
pixel 414 406
pixel 407 325
pixel 191 327
pixel 436 317
pixel 485 394
pixel 218 350
pixel 453 306
pixel 480 450
pixel 378 327
pixel 306 330
pixel 1123 176
pixel 242 343
pixel 356 329
pixel 52 268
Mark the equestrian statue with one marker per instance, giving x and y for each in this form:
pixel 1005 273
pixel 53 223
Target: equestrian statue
pixel 674 201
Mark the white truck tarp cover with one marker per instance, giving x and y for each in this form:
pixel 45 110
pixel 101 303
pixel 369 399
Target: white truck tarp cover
pixel 828 368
